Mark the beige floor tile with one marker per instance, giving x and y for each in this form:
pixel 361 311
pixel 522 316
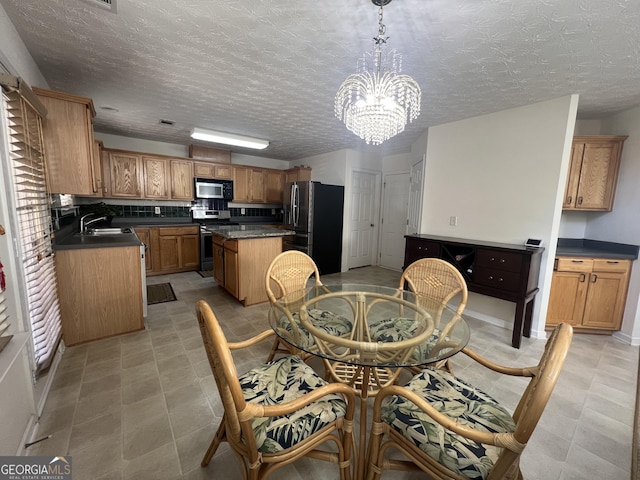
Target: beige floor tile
pixel 156 405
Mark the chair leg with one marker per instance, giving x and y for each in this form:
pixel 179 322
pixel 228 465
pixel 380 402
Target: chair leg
pixel 220 436
pixel 274 349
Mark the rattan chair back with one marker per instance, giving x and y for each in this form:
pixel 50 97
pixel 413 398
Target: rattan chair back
pixel 437 280
pixel 289 272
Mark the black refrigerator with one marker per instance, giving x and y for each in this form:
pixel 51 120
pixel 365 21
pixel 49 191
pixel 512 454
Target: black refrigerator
pixel 314 211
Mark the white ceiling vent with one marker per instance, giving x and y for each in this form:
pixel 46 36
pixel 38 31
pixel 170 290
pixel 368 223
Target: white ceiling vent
pixel 110 5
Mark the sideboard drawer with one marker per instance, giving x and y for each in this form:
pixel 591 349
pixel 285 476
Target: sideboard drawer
pixel 510 262
pixel 417 249
pixel 501 279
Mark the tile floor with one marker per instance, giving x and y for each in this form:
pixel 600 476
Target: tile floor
pixel 145 406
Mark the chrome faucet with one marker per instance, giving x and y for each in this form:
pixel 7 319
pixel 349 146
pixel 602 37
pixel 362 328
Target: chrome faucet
pixel 84 224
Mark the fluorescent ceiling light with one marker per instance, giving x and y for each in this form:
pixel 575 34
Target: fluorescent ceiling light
pixel 228 138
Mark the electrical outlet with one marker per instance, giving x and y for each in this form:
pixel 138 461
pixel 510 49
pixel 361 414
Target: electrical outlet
pixel 242 211
pixel 453 220
pixel 273 211
pixel 157 210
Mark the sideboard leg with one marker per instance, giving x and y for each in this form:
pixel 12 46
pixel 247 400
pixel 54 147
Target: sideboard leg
pixel 518 321
pixel 526 330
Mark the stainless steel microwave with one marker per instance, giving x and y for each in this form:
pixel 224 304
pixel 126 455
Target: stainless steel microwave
pixel 211 188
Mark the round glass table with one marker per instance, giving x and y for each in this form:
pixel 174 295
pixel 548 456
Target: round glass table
pixel 366 334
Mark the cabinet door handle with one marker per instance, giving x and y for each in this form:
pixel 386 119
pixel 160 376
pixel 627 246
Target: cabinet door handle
pixel 613 261
pixel 579 200
pixel 555 264
pixel 492 259
pixel 569 199
pixel 594 278
pixel 500 279
pixel 490 277
pixel 502 260
pixel 577 261
pixel 583 277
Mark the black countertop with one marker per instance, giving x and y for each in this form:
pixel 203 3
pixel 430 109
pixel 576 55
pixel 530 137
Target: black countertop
pixel 75 241
pixel 583 247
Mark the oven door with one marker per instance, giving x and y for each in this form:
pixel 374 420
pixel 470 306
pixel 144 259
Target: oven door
pixel 206 251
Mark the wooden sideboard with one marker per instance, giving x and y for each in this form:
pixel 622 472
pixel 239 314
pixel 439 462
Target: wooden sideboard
pixel 506 271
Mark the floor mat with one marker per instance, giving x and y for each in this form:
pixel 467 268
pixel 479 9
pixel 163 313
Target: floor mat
pixel 160 293
pixel 206 273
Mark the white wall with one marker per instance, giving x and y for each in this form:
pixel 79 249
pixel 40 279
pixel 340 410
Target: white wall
pixel 502 175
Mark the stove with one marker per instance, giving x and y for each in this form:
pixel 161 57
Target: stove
pixel 206 217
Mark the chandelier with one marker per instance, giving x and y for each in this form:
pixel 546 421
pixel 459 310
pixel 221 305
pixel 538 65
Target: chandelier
pixel 377 102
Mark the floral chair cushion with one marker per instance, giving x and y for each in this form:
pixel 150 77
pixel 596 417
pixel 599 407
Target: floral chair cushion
pixel 328 321
pixel 397 329
pixel 281 381
pixel 466 404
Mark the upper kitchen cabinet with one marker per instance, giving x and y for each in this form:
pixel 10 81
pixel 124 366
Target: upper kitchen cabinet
pixel 241 184
pixel 212 170
pixel 125 172
pixel 198 152
pixel 297 174
pixel 181 179
pixel 156 178
pixel 69 143
pixel 593 173
pixel 274 186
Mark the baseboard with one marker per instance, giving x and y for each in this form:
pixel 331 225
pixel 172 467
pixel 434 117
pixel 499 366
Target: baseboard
pixel 487 319
pixel 628 339
pixel 27 436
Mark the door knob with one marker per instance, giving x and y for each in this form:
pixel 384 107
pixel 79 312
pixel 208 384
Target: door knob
pixel 372 225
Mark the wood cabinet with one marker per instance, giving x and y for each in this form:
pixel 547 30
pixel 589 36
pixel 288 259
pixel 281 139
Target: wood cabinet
pixel 144 234
pixel 231 267
pixel 156 177
pixel 593 173
pixel 506 271
pixel 240 265
pixel 297 174
pixel 274 186
pixel 100 291
pixel 68 143
pixel 170 249
pixel 241 184
pixel 218 259
pixel 257 185
pixel 589 293
pixel 212 170
pixel 96 159
pixel 199 152
pixel 125 174
pixel 179 249
pixel 181 180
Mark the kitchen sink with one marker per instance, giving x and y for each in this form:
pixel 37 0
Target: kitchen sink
pixel 107 231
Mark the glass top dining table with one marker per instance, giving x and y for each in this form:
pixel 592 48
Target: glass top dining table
pixel 369 325
pixel 365 334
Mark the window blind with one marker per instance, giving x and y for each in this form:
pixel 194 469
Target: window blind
pixel 33 219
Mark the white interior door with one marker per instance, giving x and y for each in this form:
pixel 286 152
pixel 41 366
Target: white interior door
pixel 362 219
pixel 415 197
pixel 395 204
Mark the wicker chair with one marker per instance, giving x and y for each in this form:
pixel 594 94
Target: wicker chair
pixel 436 281
pixel 278 412
pixel 290 272
pixel 452 430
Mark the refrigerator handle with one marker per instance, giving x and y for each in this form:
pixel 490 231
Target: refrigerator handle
pixel 296 212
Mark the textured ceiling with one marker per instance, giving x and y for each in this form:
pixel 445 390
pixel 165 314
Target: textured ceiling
pixel 270 68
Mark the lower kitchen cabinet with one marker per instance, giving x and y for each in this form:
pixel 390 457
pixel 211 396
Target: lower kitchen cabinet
pixel 240 266
pixel 100 291
pixel 589 293
pixel 171 249
pixel 218 259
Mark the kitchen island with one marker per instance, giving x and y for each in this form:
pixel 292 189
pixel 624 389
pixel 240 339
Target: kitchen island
pixel 241 256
